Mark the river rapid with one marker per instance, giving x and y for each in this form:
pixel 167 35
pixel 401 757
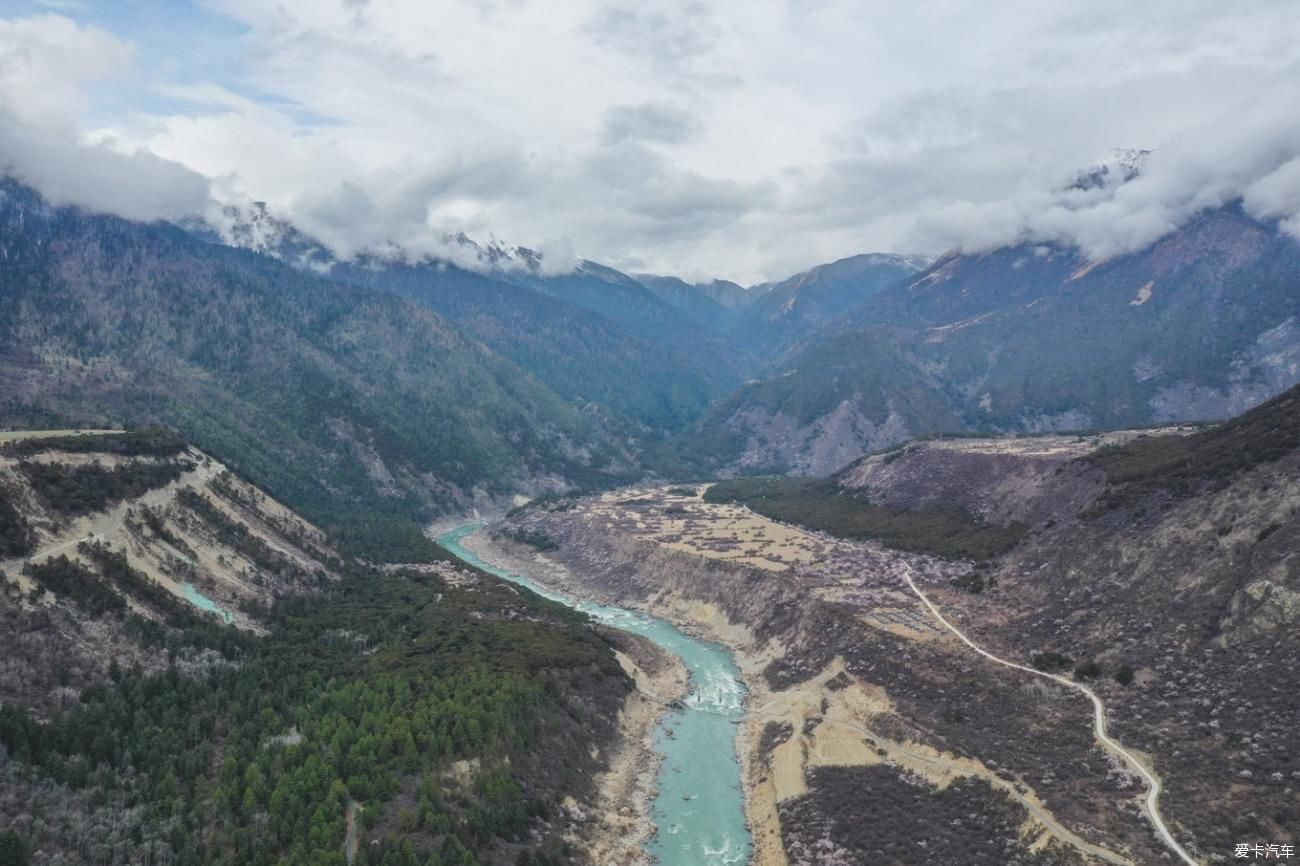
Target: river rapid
pixel 699 805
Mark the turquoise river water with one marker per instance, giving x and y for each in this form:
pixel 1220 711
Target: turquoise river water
pixel 699 809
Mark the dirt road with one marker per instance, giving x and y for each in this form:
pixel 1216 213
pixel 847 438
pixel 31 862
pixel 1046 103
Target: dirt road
pixel 1153 784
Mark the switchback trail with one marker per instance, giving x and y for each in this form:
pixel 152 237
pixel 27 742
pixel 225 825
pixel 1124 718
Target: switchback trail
pixel 1154 786
pixel 106 524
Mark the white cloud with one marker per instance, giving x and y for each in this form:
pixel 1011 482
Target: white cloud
pixel 735 138
pixel 47 66
pixel 1249 152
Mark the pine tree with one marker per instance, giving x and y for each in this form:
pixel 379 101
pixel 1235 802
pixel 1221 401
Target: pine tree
pixel 13 851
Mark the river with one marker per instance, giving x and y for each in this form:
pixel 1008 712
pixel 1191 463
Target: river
pixel 699 808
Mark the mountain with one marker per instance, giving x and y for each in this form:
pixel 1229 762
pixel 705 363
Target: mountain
pixel 624 300
pixel 725 292
pixel 771 316
pixel 365 411
pixel 1159 565
pixel 713 304
pixel 621 300
pixel 783 312
pixel 643 387
pixel 1123 165
pixel 253 696
pixel 74 503
pixel 1200 325
pixel 256 228
pixel 593 335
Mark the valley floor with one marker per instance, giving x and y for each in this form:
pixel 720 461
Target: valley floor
pixel 854 686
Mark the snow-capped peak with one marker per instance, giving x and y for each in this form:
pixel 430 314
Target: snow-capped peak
pixel 1119 167
pixel 253 226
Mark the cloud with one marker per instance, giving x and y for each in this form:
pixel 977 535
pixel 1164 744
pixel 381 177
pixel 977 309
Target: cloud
pixel 64 5
pixel 649 122
pixel 670 34
pixel 1248 153
pixel 1277 196
pixel 734 138
pixel 136 185
pixel 47 62
pixel 47 66
pixel 558 257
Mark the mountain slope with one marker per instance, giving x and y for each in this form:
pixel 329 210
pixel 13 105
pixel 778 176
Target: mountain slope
pixel 786 311
pixel 1201 325
pixel 622 299
pixel 594 336
pixel 254 697
pixel 846 396
pixel 363 410
pixel 1155 566
pixel 136 523
pixel 1159 566
pixel 713 304
pixel 581 355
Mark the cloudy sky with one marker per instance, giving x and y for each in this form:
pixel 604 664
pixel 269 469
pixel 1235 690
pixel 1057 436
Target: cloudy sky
pixel 743 139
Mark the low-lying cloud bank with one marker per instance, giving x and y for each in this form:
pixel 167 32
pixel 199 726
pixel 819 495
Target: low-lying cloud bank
pixel 1250 155
pixel 139 185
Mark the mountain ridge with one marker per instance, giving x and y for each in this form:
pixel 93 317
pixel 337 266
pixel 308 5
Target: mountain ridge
pixel 360 408
pixel 593 334
pixel 1199 326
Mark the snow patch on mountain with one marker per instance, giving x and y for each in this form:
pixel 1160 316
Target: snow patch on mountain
pixel 253 226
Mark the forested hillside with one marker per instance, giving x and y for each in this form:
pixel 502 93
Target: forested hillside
pixel 195 675
pixel 781 314
pixel 365 411
pixel 1157 565
pixel 358 703
pixel 654 386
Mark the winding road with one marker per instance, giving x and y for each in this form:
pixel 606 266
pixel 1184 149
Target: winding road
pixel 1153 784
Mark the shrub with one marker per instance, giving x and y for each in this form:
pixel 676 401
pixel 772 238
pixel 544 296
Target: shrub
pixel 975 582
pixel 71 580
pixel 15 536
pixel 1051 662
pixel 13 851
pixel 535 539
pixel 1180 465
pixel 1087 670
pixel 823 505
pixel 77 490
pixel 150 441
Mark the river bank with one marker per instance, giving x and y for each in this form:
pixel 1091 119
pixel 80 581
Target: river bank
pixel 618 826
pixel 702 621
